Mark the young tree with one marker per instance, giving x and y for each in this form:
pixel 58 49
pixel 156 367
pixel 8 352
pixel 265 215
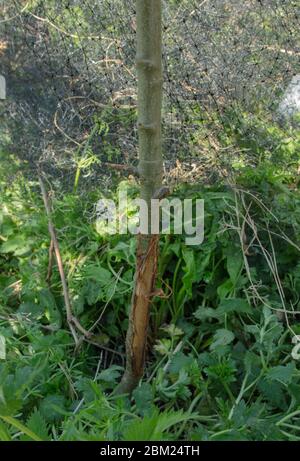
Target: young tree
pixel 149 72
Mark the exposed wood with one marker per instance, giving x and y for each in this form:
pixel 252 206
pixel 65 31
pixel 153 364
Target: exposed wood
pixel 149 70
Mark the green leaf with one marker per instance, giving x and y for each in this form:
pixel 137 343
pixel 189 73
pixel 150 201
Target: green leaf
pixel 175 248
pixel 15 423
pixel 34 310
pixel 251 361
pixel 190 270
pixel 18 244
pixel 163 346
pixel 168 419
pixel 273 392
pixel 222 337
pixel 204 313
pixel 172 330
pixel 144 398
pixel 144 429
pixel 179 362
pixel 50 406
pixel 4 434
pixel 179 389
pixel 234 263
pixel 152 428
pixel 294 390
pixel 225 289
pixel 92 291
pixel 98 273
pixel 223 370
pixel 110 375
pixel 37 424
pixel 48 305
pixel 9 403
pixel 231 305
pixel 282 373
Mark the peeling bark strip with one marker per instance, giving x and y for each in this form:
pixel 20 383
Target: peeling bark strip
pixel 136 340
pixel 149 71
pixel 145 281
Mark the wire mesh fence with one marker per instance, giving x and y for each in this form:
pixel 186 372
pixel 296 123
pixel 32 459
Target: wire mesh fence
pixel 71 104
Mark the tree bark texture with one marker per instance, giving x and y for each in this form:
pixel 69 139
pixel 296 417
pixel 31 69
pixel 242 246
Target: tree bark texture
pixel 149 72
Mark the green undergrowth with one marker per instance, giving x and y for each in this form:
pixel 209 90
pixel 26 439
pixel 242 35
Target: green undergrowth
pixel 222 361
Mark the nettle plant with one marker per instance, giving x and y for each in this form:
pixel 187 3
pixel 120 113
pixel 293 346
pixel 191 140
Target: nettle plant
pixel 216 322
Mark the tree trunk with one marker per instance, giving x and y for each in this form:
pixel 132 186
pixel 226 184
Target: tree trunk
pixel 149 72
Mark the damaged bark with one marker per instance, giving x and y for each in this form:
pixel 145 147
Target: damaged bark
pixel 149 72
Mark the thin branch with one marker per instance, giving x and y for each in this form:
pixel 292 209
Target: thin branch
pixel 123 168
pixel 68 34
pixel 50 263
pixel 59 261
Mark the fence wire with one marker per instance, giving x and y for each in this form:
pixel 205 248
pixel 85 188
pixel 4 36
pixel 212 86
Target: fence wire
pixel 71 83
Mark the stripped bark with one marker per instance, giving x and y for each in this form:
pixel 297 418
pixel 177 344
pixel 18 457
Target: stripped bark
pixel 149 71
